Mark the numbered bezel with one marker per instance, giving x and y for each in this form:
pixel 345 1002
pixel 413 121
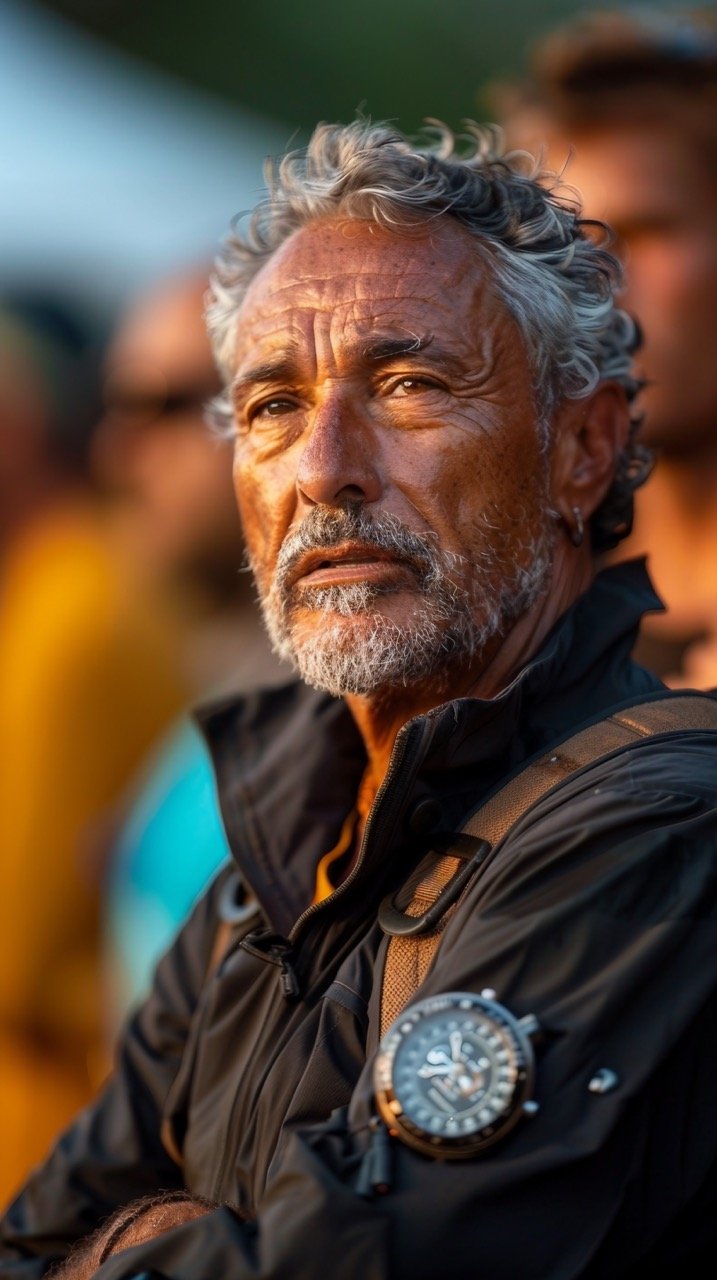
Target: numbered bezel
pixel 452 1074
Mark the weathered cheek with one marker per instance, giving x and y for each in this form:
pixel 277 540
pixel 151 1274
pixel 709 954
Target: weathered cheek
pixel 266 497
pixel 255 510
pixel 511 472
pixel 494 478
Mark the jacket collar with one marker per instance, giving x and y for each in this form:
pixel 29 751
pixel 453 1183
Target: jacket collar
pixel 288 761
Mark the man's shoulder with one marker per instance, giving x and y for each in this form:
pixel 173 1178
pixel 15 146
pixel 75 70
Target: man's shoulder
pixel 670 741
pixel 654 776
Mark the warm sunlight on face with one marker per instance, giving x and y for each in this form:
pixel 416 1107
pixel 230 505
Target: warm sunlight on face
pixel 389 467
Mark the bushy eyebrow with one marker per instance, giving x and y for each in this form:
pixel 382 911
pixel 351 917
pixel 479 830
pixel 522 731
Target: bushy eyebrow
pixel 383 350
pixel 389 348
pixel 282 369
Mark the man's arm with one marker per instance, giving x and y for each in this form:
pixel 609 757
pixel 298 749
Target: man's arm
pixel 135 1223
pixel 112 1153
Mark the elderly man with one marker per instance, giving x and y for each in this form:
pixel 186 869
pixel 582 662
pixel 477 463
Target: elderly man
pixel 429 388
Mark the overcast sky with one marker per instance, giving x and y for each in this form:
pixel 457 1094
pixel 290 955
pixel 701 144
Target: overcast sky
pixel 110 174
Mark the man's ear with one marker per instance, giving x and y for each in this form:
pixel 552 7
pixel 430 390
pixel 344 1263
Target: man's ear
pixel 588 438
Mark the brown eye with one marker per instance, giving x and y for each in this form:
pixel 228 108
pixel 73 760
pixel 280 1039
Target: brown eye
pixel 411 385
pixel 275 408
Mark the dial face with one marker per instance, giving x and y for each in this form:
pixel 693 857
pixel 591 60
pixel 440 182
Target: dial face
pixel 452 1072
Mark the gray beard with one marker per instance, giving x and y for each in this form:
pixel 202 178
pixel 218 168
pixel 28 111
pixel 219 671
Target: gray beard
pixel 350 647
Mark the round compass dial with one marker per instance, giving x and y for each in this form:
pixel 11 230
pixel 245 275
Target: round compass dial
pixel 453 1074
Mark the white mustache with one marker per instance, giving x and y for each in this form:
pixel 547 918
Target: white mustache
pixel 323 529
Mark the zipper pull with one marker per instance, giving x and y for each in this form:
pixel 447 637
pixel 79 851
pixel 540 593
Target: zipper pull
pixel 289 982
pixel 269 946
pixel 375 1176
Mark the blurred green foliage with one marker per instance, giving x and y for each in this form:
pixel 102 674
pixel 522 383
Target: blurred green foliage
pixel 395 59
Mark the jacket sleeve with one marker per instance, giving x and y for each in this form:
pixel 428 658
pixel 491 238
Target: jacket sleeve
pixel 598 917
pixel 112 1152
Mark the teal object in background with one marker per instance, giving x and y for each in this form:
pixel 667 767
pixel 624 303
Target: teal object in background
pixel 169 848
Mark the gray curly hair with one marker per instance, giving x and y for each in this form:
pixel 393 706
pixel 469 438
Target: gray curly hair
pixel 558 281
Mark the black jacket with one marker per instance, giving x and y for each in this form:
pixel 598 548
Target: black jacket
pixel 596 916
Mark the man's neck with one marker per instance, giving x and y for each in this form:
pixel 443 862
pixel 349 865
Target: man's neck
pixel 381 715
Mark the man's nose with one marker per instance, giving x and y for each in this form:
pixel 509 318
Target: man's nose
pixel 340 461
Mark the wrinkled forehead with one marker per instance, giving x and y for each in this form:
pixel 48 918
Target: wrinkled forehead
pixel 355 277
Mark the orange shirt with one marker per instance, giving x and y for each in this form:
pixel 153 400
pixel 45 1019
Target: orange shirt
pixel 336 864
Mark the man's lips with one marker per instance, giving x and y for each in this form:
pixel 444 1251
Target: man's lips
pixel 347 562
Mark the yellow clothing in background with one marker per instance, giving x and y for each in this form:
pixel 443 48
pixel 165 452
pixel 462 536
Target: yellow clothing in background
pixel 87 682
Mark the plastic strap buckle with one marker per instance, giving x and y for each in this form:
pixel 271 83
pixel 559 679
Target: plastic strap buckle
pixel 471 851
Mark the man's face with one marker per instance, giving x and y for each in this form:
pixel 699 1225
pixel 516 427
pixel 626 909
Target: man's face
pixel 388 463
pixel 653 189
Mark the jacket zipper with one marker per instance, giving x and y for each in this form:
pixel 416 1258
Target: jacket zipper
pixel 277 950
pixel 379 820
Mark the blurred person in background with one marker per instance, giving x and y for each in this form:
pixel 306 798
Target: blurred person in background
pixel 169 480
pixel 88 679
pixel 176 514
pixel 122 602
pixel 628 105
